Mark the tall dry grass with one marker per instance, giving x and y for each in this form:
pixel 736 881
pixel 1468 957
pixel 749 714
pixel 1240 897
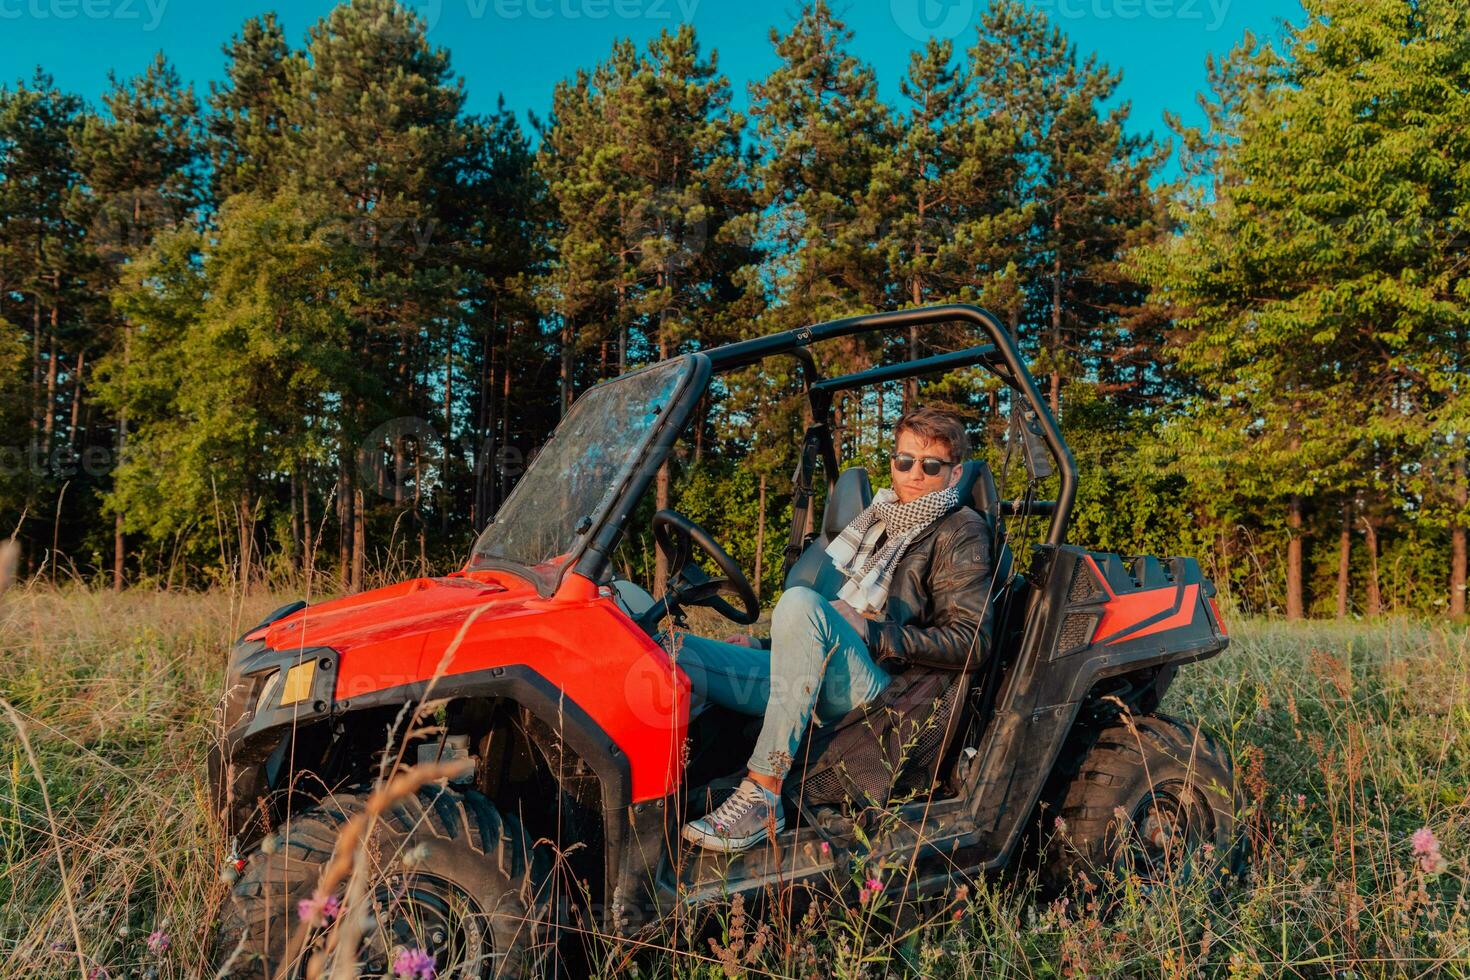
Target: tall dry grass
pixel 1349 740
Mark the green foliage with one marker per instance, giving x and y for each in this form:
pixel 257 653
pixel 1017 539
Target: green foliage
pixel 221 391
pixel 321 319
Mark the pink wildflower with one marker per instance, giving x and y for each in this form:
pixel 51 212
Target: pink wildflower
pixel 413 964
pixel 826 848
pixel 873 885
pixel 863 896
pixel 158 942
pixel 1426 849
pixel 959 914
pixel 318 910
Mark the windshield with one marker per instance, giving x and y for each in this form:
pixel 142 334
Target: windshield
pixel 578 473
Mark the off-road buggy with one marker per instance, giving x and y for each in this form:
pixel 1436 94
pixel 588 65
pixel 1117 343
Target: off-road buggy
pixel 558 678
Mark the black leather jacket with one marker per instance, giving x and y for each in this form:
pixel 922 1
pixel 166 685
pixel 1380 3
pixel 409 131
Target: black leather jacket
pixel 938 612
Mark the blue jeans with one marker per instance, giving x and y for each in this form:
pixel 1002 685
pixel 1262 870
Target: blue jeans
pixel 817 664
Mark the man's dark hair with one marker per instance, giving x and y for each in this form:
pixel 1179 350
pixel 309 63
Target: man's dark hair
pixel 937 425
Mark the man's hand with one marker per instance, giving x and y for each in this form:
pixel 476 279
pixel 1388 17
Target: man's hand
pixel 744 641
pixel 854 618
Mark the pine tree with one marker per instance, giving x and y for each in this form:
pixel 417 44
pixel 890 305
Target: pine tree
pixel 140 166
pixel 822 130
pixel 946 202
pixel 373 135
pixel 588 290
pixel 247 111
pixel 652 241
pixel 506 252
pixel 44 337
pixel 1089 180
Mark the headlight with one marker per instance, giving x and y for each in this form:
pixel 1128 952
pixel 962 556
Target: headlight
pixel 267 690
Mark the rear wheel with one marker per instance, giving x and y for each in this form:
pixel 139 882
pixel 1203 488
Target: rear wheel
pixel 1154 799
pixel 453 878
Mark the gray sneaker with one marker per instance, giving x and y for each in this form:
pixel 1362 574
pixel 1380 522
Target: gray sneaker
pixel 740 822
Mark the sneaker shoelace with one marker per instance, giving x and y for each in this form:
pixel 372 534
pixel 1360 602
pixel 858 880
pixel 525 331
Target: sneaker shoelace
pixel 737 806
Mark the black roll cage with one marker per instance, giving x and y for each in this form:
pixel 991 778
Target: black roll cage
pixel 1000 356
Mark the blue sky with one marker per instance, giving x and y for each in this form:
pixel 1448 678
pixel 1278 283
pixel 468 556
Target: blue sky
pixel 522 47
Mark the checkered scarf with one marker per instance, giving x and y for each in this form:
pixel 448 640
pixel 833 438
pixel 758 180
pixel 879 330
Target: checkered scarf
pixel 869 570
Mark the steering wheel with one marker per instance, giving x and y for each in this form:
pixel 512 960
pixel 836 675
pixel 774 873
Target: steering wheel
pixel 689 585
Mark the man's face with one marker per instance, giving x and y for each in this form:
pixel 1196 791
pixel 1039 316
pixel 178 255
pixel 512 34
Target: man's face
pixel 916 483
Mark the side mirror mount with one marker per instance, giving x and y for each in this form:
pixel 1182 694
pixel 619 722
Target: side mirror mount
pixel 1026 430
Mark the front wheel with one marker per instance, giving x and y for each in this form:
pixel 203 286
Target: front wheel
pixel 455 883
pixel 1154 799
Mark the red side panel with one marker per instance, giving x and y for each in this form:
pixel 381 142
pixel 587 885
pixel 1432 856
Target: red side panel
pixel 1132 615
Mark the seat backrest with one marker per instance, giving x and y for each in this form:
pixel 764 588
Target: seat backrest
pixel 850 496
pixel 977 488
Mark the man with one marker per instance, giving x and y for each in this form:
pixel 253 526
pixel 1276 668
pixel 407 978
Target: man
pixel 916 579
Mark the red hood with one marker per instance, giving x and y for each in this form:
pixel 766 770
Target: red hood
pixel 400 612
pixel 580 643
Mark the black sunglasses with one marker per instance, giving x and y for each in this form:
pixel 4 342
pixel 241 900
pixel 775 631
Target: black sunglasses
pixel 933 465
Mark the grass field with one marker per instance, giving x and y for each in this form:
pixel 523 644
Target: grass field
pixel 1349 739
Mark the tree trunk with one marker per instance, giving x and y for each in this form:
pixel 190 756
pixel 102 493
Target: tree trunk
pixel 566 367
pixel 296 548
pixel 701 418
pixel 504 481
pixel 418 511
pixel 660 502
pixel 345 496
pixel 760 534
pixel 36 372
pixel 911 385
pixel 1457 543
pixel 308 548
pixel 1344 556
pixel 359 540
pixel 1375 598
pixel 76 400
pixel 118 544
pixel 1294 603
pixel 1056 314
pixel 484 426
pixel 448 441
pixel 247 541
pixel 48 423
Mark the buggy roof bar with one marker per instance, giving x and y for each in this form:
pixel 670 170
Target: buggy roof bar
pixel 908 369
pixel 1005 361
